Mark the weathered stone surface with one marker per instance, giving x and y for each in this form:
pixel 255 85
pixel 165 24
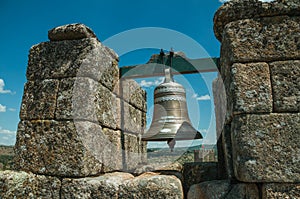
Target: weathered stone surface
pixel 196 172
pixel 110 74
pixel 235 10
pixel 102 187
pixel 108 110
pixel 151 185
pixel 71 58
pixel 129 118
pixel 208 190
pixel 77 99
pixel 27 185
pixel 70 32
pixel 223 189
pixel 275 190
pixel 39 100
pixel 85 99
pixel 266 147
pixel 123 185
pixel 222 173
pixel 220 102
pixel 133 155
pixel 223 135
pixel 250 89
pixel 227 149
pixel 261 40
pixel 174 168
pixel 66 148
pixel 133 94
pixel 143 151
pixel 112 152
pixel 113 54
pixel 246 191
pixel 285 76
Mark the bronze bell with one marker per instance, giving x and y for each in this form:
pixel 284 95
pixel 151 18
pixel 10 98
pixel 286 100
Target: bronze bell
pixel 170 116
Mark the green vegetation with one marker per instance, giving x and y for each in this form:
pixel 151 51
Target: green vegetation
pixel 6 157
pixel 6 162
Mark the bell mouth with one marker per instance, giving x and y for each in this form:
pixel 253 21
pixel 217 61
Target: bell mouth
pixel 185 131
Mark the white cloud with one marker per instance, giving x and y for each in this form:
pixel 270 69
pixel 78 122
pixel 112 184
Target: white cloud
pixel 223 1
pixel 201 98
pixel 7 132
pixel 155 82
pixel 12 109
pixel 7 137
pixel 2 90
pixel 2 108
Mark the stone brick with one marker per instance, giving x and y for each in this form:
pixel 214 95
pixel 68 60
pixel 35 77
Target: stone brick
pixel 103 187
pixel 73 58
pixel 123 185
pixel 196 172
pixel 223 189
pixel 227 150
pixel 237 10
pixel 66 148
pixel 266 147
pixel 132 153
pixel 246 191
pixel 85 99
pixel 112 153
pixel 143 151
pixel 222 117
pixel 15 184
pixel 220 103
pixel 174 168
pixel 107 113
pixel 151 185
pixel 250 89
pixel 133 94
pixel 209 189
pixel 39 100
pixel 70 32
pixel 222 173
pixel 77 99
pixel 285 76
pixel 275 190
pixel 262 39
pixel 129 118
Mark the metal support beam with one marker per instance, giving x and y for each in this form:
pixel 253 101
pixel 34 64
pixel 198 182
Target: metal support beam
pixel 180 65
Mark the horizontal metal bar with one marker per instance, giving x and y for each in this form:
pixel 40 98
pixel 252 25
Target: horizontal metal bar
pixel 180 65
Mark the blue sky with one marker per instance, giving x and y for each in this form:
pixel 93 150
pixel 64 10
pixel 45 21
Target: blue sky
pixel 25 23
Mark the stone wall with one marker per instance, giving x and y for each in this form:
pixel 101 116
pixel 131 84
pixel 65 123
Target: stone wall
pixel 72 108
pixel 81 126
pixel 258 109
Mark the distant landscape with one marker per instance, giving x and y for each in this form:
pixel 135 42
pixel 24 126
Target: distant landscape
pixel 155 155
pixel 182 155
pixel 6 157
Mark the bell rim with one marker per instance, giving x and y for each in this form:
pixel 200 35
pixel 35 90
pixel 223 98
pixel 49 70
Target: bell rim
pixel 177 135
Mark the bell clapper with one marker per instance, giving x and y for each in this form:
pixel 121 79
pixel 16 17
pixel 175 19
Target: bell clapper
pixel 171 143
